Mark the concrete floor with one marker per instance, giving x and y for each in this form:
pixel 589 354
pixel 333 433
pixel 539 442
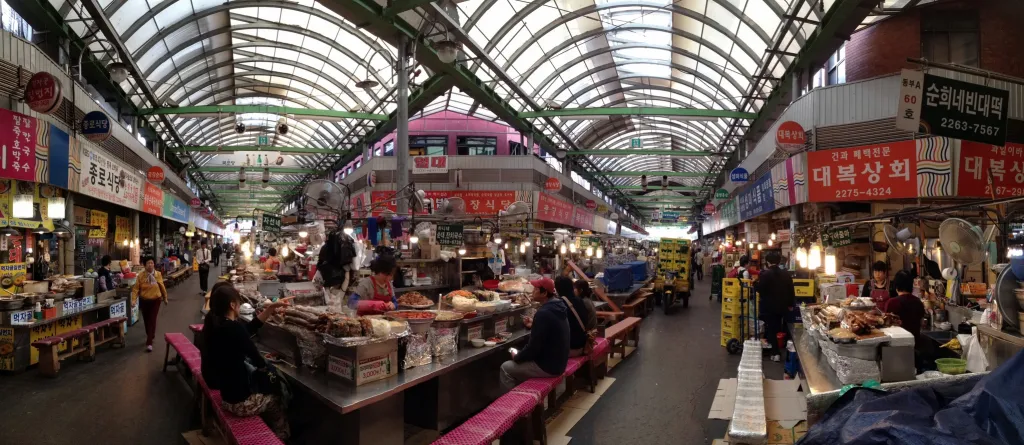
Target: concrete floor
pixel 662 393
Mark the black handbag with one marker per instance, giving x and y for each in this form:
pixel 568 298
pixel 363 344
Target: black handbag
pixel 266 380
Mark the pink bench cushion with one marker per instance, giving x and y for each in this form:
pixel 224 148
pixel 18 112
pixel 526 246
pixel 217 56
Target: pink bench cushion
pixel 539 388
pixel 492 422
pixel 196 327
pixel 245 430
pixel 104 323
pixel 575 363
pixel 59 338
pixel 601 347
pixel 180 344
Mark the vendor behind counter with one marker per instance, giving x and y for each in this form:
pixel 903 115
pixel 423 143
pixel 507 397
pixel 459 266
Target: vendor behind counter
pixel 375 294
pixel 880 289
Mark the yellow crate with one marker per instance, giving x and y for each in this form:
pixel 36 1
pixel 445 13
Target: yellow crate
pixel 803 287
pixel 726 336
pixel 729 323
pixel 731 307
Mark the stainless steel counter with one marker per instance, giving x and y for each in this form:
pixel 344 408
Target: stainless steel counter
pixel 823 385
pixel 999 346
pixel 345 398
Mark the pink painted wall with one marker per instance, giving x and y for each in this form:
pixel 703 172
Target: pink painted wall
pixel 454 125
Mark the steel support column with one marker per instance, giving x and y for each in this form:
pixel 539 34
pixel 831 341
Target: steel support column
pixel 402 156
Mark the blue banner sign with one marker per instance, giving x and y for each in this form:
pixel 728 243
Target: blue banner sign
pixel 757 199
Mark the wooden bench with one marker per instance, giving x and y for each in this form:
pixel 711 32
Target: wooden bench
pixel 49 347
pixel 178 276
pixel 637 307
pixel 621 333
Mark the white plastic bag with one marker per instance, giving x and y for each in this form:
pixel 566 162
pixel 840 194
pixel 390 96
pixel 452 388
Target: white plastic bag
pixel 976 361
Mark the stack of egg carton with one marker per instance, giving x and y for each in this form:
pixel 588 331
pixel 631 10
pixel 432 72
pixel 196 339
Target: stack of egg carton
pixel 748 420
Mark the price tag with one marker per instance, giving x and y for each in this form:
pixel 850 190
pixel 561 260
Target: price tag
pixel 500 325
pixel 374 367
pixel 475 332
pixel 340 366
pixel 22 317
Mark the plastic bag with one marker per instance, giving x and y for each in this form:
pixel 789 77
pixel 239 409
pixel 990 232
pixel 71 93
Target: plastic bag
pixel 976 361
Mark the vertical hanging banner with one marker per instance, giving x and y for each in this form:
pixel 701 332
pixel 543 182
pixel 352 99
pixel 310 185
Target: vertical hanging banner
pixel 122 229
pixel 867 173
pixel 152 200
pixel 109 180
pixel 18 139
pixel 59 157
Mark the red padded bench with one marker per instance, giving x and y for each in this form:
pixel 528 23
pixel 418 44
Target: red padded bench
pixel 186 352
pixel 106 331
pixel 49 349
pixel 197 334
pixel 495 420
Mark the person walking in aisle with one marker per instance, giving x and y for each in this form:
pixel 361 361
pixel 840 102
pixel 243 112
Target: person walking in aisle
pixel 216 254
pixel 698 264
pixel 149 290
pixel 203 257
pixel 778 297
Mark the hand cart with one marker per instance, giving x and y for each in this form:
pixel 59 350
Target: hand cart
pixel 739 312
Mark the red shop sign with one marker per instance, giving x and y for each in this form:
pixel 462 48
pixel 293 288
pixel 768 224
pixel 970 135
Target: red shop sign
pixel 153 200
pixel 582 219
pixel 709 208
pixel 979 163
pixel 552 185
pixel 554 210
pixel 43 93
pixel 790 137
pixel 17 146
pixel 867 173
pixel 195 203
pixel 430 164
pixel 155 175
pixel 591 204
pixel 477 202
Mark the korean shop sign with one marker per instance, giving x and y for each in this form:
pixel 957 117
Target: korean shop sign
pixel 866 173
pixel 17 146
pixel 838 237
pixel 449 234
pixel 757 199
pixel 946 107
pixel 980 163
pixel 430 164
pixel 271 223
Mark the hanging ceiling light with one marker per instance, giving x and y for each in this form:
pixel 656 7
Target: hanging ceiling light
pixel 801 257
pixel 9 231
pixel 600 252
pixel 60 228
pixel 40 230
pixel 348 228
pixel 506 246
pixel 750 246
pixel 572 246
pixel 266 175
pixel 447 50
pixel 303 234
pixel 258 249
pixel 773 236
pixel 497 238
pixel 830 260
pixel 22 207
pixel 522 248
pixel 241 176
pixel 562 249
pixel 462 249
pixel 118 72
pixel 124 242
pixel 414 239
pixel 284 250
pixel 590 251
pixel 55 208
pixel 771 242
pixel 814 257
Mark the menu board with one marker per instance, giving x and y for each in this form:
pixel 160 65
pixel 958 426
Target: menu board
pixel 107 179
pixel 449 234
pixel 122 229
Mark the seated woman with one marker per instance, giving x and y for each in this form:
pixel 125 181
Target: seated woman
pixel 227 353
pixel 578 330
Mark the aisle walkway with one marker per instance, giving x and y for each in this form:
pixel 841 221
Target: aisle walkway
pixel 121 398
pixel 661 394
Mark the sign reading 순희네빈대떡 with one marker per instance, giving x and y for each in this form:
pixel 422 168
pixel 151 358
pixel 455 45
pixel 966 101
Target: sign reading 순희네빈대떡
pixel 946 107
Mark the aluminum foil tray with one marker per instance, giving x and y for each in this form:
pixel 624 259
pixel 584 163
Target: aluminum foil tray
pixel 748 424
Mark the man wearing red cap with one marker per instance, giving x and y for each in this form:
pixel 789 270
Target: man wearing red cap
pixel 547 352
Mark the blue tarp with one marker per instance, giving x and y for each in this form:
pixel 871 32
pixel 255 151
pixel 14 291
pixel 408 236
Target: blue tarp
pixel 985 412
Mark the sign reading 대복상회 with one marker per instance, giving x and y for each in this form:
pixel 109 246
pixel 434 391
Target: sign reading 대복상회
pixel 866 173
pixel 449 234
pixel 947 107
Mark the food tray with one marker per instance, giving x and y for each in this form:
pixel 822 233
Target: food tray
pixel 417 307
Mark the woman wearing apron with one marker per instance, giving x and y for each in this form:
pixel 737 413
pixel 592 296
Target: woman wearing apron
pixel 375 294
pixel 880 289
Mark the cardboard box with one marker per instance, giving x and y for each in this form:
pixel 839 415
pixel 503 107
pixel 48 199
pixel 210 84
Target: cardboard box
pixel 364 364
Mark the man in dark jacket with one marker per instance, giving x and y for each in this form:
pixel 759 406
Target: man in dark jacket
pixel 777 298
pixel 547 352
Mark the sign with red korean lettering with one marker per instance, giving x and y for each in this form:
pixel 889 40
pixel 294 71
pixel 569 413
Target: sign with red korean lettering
pixel 552 185
pixel 591 204
pixel 582 219
pixel 18 145
pixel 990 170
pixel 195 203
pixel 552 209
pixel 477 202
pixel 790 137
pixel 430 164
pixel 152 200
pixel 43 93
pixel 866 173
pixel 155 175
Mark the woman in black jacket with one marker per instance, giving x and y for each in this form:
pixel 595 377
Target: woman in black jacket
pixel 577 328
pixel 228 349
